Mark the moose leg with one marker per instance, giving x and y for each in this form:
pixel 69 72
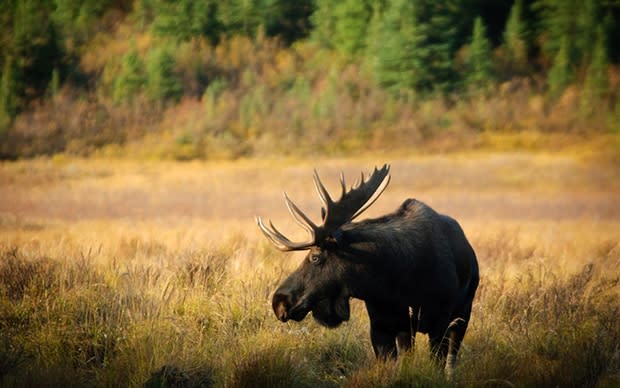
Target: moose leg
pixel 383 342
pixel 456 331
pixel 382 332
pixel 404 341
pixel 439 345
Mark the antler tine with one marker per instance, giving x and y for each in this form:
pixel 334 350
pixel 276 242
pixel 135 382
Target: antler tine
pixel 352 203
pixel 327 200
pixel 299 216
pixel 374 197
pixel 358 182
pixel 279 240
pixel 343 185
pixel 269 234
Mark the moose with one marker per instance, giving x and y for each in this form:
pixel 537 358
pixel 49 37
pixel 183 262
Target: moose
pixel 414 269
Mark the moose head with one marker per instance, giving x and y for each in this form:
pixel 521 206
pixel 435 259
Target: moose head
pixel 326 279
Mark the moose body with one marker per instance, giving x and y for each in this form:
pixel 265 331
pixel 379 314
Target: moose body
pixel 414 269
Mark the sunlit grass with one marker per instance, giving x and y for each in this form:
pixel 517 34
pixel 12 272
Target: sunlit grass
pixel 181 297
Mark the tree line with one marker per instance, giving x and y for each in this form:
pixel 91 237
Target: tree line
pixel 412 49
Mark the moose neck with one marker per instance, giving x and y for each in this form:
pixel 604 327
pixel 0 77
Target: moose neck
pixel 377 265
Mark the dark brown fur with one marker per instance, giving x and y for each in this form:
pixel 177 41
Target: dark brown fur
pixel 411 260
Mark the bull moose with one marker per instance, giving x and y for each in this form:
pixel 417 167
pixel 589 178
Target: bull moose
pixel 413 268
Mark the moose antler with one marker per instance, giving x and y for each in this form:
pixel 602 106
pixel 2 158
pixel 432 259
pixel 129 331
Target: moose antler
pixel 351 204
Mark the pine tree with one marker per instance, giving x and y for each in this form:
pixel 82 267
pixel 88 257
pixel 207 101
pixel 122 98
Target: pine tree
pixel 323 23
pixel 54 85
pixel 342 25
pixel 161 82
pixel 400 57
pixel 8 105
pixel 415 48
pixel 241 16
pixel 585 30
pixel 515 39
pixel 34 48
pixel 557 20
pixel 130 80
pixel 353 18
pixel 561 74
pixel 373 42
pixel 76 19
pixel 569 25
pixel 185 19
pixel 479 61
pixel 596 84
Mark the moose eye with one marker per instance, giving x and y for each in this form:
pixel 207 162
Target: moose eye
pixel 314 259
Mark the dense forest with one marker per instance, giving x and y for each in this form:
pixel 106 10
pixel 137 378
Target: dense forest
pixel 231 78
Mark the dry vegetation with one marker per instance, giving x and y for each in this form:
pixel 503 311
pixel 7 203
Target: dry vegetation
pixel 116 273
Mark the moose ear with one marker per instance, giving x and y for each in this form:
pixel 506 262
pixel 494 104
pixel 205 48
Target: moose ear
pixel 323 214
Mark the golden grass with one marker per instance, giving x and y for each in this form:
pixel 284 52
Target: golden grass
pixel 130 273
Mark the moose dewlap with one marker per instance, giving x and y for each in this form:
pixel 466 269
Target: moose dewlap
pixel 412 260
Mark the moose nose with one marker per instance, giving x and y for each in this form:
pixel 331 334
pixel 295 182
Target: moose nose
pixel 281 304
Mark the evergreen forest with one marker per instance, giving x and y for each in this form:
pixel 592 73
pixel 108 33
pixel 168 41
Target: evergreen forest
pixel 221 79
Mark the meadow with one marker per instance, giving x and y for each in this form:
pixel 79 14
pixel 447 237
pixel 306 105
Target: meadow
pixel 153 273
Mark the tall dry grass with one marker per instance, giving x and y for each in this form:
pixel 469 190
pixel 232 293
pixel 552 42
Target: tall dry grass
pixel 106 298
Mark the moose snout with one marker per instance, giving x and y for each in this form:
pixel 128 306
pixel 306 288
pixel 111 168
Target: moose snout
pixel 281 304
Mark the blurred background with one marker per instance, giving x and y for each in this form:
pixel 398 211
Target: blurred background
pixel 207 79
pixel 138 140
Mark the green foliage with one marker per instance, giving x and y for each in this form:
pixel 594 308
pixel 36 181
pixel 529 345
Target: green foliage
pixel 479 59
pixel 185 19
pixel 288 20
pixel 8 92
pixel 343 25
pixel 570 25
pixel 413 50
pixel 515 39
pixel 323 23
pixel 54 86
pixel 400 56
pixel 597 81
pixel 34 47
pixel 76 20
pixel 275 17
pixel 561 73
pixel 130 80
pixel 415 47
pixel 161 81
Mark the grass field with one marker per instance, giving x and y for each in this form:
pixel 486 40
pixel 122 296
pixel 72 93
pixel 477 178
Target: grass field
pixel 126 273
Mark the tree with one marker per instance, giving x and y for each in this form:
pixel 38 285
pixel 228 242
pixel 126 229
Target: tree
pixel 479 64
pixel 289 20
pixel 596 83
pixel 54 85
pixel 416 45
pixel 352 20
pixel 323 22
pixel 34 47
pixel 8 103
pixel 161 82
pixel 399 57
pixel 185 19
pixel 569 25
pixel 515 39
pixel 130 80
pixel 76 20
pixel 561 73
